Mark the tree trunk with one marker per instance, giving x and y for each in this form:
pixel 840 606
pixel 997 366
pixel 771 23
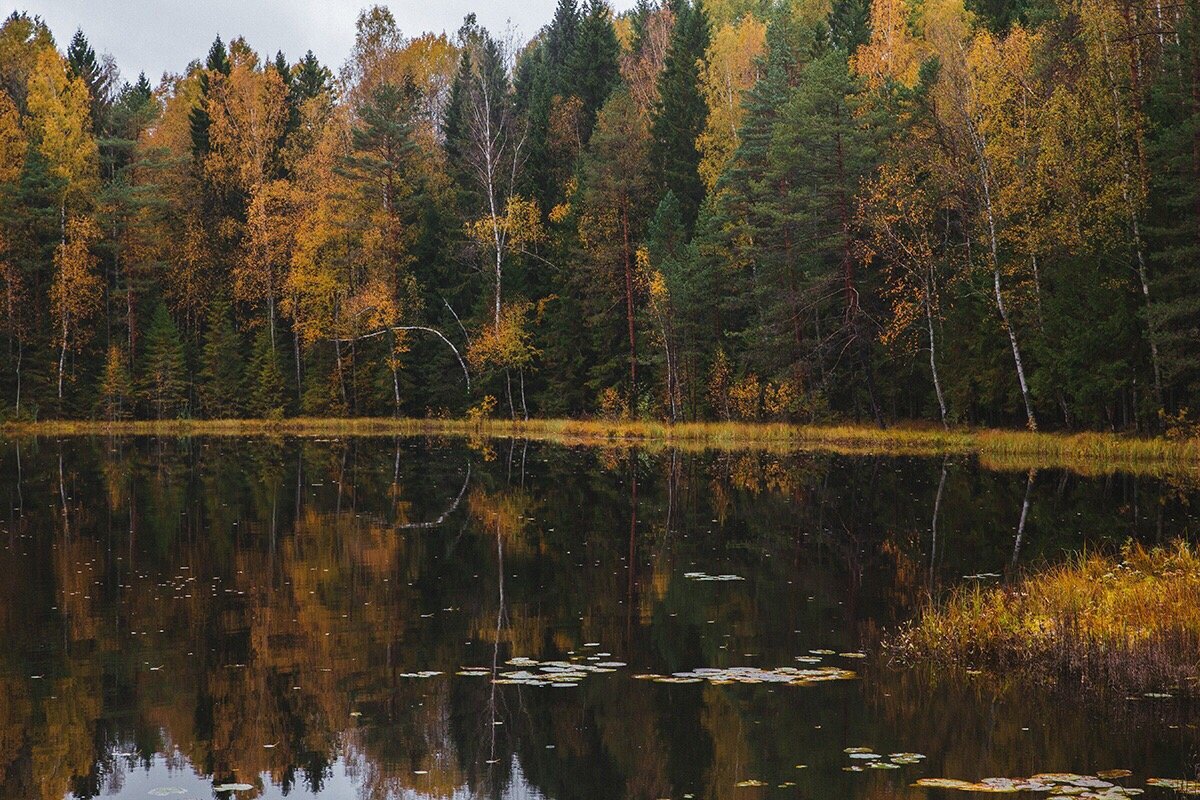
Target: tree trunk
pixel 629 309
pixel 937 383
pixel 985 179
pixel 299 385
pixel 524 407
pixel 62 359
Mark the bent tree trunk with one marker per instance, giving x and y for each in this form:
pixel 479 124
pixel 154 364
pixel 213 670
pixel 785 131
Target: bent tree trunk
pixel 985 179
pixel 396 328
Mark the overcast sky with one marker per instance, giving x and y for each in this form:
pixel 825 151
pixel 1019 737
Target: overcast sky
pixel 164 35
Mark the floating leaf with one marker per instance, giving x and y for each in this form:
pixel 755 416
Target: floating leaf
pixel 1181 786
pixel 745 784
pixel 704 576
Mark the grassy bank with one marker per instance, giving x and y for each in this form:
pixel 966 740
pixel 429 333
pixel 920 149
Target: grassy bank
pixel 1129 622
pixel 999 449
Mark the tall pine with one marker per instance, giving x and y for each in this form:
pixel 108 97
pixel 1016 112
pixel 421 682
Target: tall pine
pixel 681 112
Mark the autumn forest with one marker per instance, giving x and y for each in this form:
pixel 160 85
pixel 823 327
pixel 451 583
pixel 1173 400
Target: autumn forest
pixel 757 210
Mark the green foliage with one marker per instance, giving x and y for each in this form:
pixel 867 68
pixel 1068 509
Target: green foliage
pixel 681 113
pixel 222 385
pixel 163 383
pixel 266 379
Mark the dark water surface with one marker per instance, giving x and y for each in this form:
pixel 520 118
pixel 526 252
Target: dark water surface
pixel 179 614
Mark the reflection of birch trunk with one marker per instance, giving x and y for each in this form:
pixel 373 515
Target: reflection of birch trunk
pixel 445 514
pixel 62 494
pixel 1024 516
pixel 492 704
pixel 937 510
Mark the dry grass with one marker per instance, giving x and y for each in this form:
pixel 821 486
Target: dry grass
pixel 1130 622
pixel 1018 450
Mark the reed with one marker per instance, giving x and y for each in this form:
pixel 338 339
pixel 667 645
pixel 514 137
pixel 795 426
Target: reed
pixel 1092 452
pixel 1130 622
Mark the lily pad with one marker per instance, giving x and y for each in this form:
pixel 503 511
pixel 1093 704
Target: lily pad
pixel 1178 784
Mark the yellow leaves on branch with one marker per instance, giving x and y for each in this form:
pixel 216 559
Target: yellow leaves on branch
pixel 506 345
pixel 518 226
pixel 900 227
pixel 598 230
pixel 893 53
pixel 730 69
pixel 248 111
pixel 59 123
pixel 12 140
pixel 267 245
pixel 75 293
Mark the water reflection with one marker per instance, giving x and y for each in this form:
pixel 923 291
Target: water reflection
pixel 183 613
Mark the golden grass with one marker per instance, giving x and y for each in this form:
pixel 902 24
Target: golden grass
pixel 1090 452
pixel 1130 621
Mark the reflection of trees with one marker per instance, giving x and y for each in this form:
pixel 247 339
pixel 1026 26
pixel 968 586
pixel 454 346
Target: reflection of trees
pixel 235 602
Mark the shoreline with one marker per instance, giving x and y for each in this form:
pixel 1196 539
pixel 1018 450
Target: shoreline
pixel 996 448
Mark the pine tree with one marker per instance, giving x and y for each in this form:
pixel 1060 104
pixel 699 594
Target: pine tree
pixel 222 386
pixel 266 379
pixel 682 113
pixel 163 385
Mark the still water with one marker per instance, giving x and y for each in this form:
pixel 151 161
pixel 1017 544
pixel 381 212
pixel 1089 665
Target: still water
pixel 419 618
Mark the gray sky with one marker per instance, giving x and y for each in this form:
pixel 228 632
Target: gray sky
pixel 164 35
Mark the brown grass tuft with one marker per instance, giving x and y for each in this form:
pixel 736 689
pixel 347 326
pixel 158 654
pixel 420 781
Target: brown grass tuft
pixel 1129 622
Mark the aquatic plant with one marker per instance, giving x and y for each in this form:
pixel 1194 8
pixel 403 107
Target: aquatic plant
pixel 1130 621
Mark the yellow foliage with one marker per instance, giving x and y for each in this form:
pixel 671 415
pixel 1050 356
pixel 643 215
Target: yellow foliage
pixel 12 140
pixel 519 225
pixel 60 123
pixel 76 290
pixel 248 111
pixel 893 53
pixel 613 404
pixel 745 397
pixel 506 345
pixel 483 409
pixel 729 70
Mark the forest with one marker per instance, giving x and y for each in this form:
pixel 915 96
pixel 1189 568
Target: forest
pixel 962 212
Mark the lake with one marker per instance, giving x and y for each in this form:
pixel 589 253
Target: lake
pixel 376 618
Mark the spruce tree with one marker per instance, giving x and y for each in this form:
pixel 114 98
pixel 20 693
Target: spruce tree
pixel 217 61
pixel 222 385
pixel 266 379
pixel 593 67
pixel 81 59
pixel 1175 209
pixel 163 385
pixel 681 112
